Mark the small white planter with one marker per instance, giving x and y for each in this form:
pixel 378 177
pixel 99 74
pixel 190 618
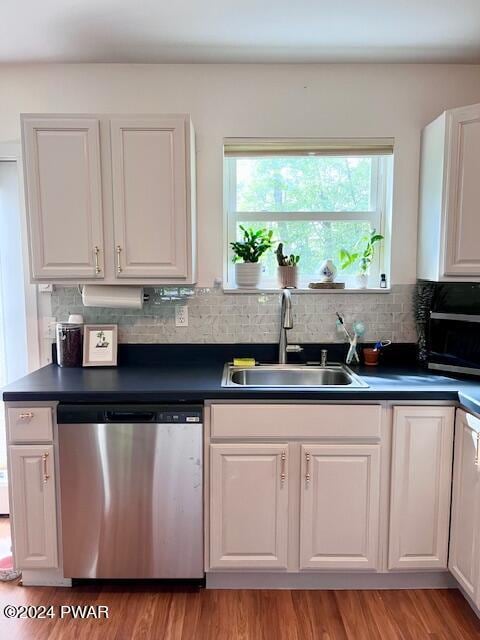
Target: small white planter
pixel 247 274
pixel 362 280
pixel 288 277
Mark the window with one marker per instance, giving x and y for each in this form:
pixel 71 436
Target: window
pixel 317 196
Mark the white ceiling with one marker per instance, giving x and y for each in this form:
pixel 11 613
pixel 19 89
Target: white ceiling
pixel 240 31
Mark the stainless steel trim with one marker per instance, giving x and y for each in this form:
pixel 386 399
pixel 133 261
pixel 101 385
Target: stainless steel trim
pixel 355 381
pixel 453 368
pixel 132 500
pixel 459 317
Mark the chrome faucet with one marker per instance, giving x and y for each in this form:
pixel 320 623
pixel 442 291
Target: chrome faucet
pixel 286 323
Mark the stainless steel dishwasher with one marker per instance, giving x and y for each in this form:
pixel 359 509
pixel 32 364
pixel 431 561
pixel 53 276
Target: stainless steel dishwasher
pixel 131 491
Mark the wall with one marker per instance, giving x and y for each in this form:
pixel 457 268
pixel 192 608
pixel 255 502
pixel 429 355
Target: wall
pixel 218 317
pixel 259 100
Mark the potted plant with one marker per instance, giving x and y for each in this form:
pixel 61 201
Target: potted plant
pixel 363 255
pixel 287 268
pixel 254 244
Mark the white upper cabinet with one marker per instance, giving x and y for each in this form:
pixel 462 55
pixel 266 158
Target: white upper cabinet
pixel 111 198
pixel 420 487
pixel 464 559
pixel 449 220
pixel 151 198
pixel 64 197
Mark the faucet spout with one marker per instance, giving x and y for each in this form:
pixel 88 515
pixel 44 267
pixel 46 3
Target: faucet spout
pixel 286 323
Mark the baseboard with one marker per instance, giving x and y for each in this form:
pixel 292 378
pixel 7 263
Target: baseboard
pixel 473 606
pixel 397 580
pixel 44 578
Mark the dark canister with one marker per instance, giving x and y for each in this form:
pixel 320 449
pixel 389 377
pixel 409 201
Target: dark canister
pixel 69 344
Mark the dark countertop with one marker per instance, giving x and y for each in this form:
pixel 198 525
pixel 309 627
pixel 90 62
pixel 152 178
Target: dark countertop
pixel 196 381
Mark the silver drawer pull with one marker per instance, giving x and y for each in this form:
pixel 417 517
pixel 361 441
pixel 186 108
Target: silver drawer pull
pixel 119 264
pixel 477 453
pixel 283 467
pixel 45 468
pixel 307 468
pixel 28 415
pixel 96 251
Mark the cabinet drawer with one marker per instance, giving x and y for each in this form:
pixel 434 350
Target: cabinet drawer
pixel 30 424
pixel 295 421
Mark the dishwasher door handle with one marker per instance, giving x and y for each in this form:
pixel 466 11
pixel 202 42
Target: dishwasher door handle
pixel 130 417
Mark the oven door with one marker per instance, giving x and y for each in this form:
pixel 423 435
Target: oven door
pixel 454 342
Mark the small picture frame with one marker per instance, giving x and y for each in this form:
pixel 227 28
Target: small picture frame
pixel 100 345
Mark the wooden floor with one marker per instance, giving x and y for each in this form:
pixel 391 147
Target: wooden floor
pixel 150 611
pixel 145 611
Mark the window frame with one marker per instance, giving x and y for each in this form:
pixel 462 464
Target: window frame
pixel 381 175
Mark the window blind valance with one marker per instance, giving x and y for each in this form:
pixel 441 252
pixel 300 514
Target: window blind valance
pixel 265 147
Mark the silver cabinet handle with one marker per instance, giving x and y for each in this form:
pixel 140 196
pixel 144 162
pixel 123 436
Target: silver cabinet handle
pixel 28 415
pixel 283 467
pixel 308 477
pixel 96 251
pixel 119 266
pixel 45 468
pixel 477 453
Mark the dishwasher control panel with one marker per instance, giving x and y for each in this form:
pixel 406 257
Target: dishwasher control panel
pixel 128 414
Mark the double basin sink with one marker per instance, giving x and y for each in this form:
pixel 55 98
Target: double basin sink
pixel 288 376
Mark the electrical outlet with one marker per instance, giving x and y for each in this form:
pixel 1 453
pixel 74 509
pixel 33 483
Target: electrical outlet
pixel 181 315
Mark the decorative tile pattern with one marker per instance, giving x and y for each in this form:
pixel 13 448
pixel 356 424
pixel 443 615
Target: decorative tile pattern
pixel 218 317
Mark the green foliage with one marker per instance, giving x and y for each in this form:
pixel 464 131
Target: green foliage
pixel 363 256
pixel 255 243
pixel 286 261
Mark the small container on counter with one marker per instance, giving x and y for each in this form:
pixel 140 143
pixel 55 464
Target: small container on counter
pixel 69 344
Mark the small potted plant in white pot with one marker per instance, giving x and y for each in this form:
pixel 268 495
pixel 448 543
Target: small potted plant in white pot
pixel 363 255
pixel 247 254
pixel 287 268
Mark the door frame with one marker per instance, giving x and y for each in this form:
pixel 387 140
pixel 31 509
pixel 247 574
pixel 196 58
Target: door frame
pixel 12 152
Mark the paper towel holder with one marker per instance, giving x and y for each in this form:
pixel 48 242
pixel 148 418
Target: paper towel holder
pixel 113 296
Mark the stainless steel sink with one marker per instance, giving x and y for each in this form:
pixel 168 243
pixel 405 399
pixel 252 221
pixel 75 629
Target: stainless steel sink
pixel 283 376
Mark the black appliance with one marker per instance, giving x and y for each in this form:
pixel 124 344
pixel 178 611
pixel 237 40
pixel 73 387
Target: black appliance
pixel 453 328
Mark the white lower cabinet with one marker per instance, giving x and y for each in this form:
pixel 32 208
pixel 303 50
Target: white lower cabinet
pixel 248 506
pixel 464 560
pixel 33 506
pixel 420 487
pixel 339 513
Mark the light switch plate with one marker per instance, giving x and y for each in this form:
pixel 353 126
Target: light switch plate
pixel 181 315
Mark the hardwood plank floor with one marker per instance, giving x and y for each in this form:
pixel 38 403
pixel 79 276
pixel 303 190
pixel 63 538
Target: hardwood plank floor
pixel 150 611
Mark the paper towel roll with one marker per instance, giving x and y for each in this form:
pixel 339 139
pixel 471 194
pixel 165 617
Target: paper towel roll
pixel 115 297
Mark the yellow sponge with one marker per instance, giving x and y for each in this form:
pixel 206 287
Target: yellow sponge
pixel 244 362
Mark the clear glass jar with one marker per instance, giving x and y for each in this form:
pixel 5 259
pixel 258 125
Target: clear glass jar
pixel 69 344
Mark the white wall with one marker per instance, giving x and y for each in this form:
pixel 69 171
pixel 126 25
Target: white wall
pixel 259 100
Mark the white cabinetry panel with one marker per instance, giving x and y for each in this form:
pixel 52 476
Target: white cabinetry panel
pixel 248 505
pixel 33 506
pixel 339 517
pixel 420 491
pixel 64 197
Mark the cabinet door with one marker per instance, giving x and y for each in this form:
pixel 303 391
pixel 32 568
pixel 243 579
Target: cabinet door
pixel 462 250
pixel 33 506
pixel 339 516
pixel 420 487
pixel 248 506
pixel 464 537
pixel 64 200
pixel 151 213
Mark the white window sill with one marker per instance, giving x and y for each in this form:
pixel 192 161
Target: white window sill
pixel 237 290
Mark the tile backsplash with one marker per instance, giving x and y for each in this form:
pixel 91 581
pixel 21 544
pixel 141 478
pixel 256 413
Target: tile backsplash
pixel 215 316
